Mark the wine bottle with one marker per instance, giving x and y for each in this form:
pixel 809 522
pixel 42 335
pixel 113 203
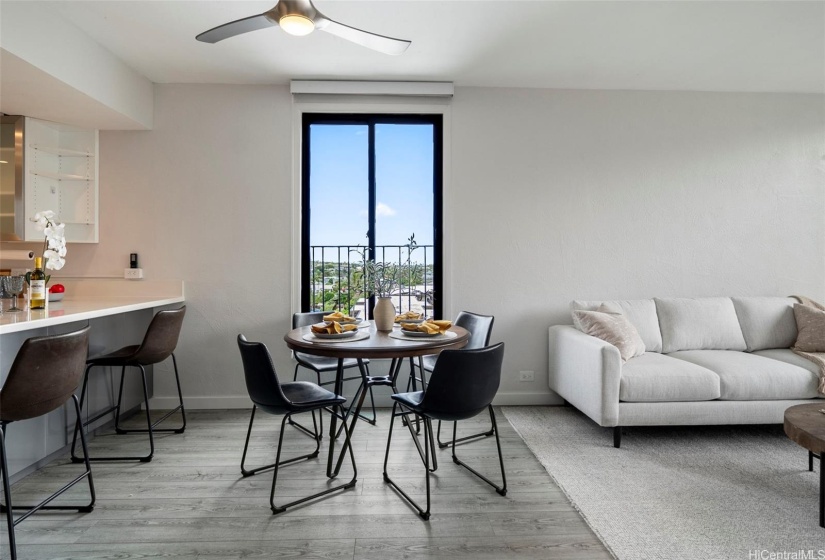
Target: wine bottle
pixel 37 287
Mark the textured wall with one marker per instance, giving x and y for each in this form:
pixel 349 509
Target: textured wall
pixel 554 195
pixel 596 194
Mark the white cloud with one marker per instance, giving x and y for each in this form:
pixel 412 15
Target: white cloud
pixel 384 210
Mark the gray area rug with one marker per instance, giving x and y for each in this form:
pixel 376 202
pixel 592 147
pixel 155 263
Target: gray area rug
pixel 724 492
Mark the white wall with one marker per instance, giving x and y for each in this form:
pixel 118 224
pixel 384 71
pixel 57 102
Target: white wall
pixel 556 195
pixel 609 194
pixel 52 68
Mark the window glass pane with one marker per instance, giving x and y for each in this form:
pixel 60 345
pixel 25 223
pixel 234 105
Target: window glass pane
pixel 339 197
pixel 404 206
pixel 404 183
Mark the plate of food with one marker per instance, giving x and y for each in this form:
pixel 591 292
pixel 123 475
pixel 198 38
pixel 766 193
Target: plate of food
pixel 333 329
pixel 345 334
pixel 420 334
pixel 410 317
pixel 342 318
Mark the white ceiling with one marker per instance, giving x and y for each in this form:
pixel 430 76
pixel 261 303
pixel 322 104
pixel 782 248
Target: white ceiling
pixel 776 46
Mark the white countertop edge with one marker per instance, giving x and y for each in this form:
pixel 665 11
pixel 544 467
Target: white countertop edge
pixel 32 324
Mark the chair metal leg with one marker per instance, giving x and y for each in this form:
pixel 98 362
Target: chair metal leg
pixel 500 489
pixel 319 433
pixel 282 508
pixel 9 507
pixel 446 444
pixel 249 472
pixel 425 457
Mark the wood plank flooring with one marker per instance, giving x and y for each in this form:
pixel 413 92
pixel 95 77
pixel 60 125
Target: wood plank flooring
pixel 191 502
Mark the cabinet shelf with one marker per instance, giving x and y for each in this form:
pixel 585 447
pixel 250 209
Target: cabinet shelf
pixel 60 176
pixel 61 151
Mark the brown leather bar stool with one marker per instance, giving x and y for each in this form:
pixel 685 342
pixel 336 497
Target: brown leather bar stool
pixel 43 377
pixel 159 343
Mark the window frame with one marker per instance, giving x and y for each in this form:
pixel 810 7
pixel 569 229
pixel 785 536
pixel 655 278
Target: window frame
pixel 371 119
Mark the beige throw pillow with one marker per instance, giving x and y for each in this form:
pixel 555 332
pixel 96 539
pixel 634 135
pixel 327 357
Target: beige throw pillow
pixel 613 328
pixel 810 324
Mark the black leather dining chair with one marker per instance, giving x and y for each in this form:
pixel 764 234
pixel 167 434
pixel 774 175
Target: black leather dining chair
pixel 480 328
pixel 463 384
pixel 288 399
pixel 159 343
pixel 43 377
pixel 323 365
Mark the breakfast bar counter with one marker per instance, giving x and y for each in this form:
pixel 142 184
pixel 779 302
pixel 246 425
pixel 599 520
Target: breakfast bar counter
pixel 72 310
pixel 118 312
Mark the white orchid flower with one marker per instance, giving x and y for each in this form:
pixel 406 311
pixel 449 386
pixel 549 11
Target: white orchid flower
pixel 55 242
pixel 54 245
pixel 55 229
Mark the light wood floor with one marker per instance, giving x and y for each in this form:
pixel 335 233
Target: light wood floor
pixel 191 502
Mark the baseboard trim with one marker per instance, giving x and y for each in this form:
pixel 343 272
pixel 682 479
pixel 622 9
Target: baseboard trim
pixel 216 403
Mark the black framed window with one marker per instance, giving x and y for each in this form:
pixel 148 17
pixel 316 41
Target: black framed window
pixel 371 183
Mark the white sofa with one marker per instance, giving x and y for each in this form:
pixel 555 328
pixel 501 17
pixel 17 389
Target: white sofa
pixel 707 361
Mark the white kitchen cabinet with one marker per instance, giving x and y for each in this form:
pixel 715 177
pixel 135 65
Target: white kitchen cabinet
pixel 60 168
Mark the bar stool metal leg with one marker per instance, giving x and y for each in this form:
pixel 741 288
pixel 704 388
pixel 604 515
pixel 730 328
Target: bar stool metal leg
pixel 154 429
pixel 9 507
pixel 4 469
pixel 149 426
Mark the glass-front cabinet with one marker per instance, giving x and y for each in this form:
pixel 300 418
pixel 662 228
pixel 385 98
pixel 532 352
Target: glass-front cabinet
pixel 59 172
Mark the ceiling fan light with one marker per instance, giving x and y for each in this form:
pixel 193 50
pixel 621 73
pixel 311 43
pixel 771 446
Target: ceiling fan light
pixel 296 24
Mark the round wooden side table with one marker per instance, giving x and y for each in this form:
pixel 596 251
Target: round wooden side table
pixel 805 424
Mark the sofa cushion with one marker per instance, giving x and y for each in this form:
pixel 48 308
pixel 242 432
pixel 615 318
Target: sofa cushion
pixel 752 377
pixel 611 327
pixel 640 312
pixel 699 324
pixel 791 357
pixel 653 377
pixel 767 322
pixel 810 323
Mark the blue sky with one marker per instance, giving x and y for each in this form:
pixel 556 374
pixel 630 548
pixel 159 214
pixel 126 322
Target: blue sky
pixel 338 175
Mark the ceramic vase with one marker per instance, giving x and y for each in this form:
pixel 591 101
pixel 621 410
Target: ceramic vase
pixel 384 314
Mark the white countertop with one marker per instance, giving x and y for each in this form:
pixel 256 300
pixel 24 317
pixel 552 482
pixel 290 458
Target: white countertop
pixel 111 297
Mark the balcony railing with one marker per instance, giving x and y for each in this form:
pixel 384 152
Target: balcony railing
pixel 337 281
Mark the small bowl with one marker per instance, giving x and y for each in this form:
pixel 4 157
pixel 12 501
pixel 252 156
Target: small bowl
pixel 56 296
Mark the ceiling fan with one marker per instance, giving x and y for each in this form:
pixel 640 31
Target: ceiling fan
pixel 300 17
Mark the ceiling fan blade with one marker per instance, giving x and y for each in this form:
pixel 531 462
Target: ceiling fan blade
pixel 237 27
pixel 380 43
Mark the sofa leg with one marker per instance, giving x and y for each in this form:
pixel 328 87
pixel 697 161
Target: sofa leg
pixel 617 437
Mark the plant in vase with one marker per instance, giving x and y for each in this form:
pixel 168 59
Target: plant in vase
pixel 383 279
pixel 54 244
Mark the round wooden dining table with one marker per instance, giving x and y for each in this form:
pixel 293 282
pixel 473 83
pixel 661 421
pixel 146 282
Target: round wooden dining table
pixel 377 345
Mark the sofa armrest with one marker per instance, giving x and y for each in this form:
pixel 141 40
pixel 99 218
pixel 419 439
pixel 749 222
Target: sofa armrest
pixel 586 371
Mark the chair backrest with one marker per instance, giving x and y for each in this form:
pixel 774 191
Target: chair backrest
pixel 480 327
pixel 307 319
pixel 261 379
pixel 44 375
pixel 463 382
pixel 161 337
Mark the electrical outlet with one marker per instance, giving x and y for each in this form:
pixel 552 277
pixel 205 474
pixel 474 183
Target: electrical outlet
pixel 133 273
pixel 526 376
